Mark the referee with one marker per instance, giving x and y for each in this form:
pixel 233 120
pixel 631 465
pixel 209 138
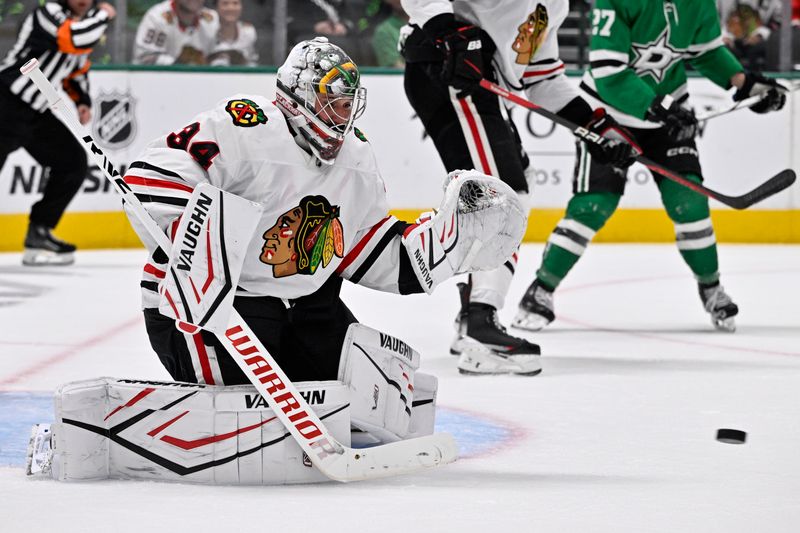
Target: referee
pixel 61 36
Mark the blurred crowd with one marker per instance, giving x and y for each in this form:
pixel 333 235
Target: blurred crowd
pixel 260 32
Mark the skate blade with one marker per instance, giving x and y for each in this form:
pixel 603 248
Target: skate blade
pixel 481 362
pixel 728 325
pixel 47 258
pixel 466 372
pixel 529 321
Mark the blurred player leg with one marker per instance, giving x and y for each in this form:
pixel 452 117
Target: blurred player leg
pixel 471 132
pixel 52 145
pixel 597 190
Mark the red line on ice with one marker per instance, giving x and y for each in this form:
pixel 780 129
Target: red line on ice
pixel 62 356
pixel 639 334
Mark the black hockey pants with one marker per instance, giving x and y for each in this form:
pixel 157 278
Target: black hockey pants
pixel 51 144
pixel 305 339
pixel 468 132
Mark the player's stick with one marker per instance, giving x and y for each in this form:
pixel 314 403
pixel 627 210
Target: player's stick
pixel 741 104
pixel 332 458
pixel 773 185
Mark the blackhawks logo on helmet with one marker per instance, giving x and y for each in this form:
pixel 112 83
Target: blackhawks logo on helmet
pixel 304 238
pixel 245 113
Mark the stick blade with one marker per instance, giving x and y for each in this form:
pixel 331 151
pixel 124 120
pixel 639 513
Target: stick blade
pixel 396 458
pixel 774 185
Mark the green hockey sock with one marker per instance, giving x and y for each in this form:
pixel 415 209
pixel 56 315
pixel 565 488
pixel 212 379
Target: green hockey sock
pixel 586 214
pixel 694 233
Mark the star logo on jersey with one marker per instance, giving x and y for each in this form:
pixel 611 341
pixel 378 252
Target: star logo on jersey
pixel 303 238
pixel 245 113
pixel 655 58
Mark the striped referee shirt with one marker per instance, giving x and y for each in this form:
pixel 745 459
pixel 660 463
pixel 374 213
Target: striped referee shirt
pixel 62 46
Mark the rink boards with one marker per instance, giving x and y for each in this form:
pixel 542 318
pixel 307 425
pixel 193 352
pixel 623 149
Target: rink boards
pixel 132 107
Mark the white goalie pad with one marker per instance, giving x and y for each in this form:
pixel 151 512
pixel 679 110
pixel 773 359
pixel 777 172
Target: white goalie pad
pixel 478 226
pixel 380 371
pixel 168 431
pixel 206 259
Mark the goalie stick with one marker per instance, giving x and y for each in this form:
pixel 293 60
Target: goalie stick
pixel 333 459
pixel 773 185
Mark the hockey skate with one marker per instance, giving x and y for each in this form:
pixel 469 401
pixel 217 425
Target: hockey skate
pixel 535 308
pixel 41 248
pixel 40 454
pixel 485 347
pixel 719 305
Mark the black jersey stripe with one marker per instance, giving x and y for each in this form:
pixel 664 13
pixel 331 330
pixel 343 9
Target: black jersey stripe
pixel 396 229
pixel 607 63
pixel 152 198
pixel 147 166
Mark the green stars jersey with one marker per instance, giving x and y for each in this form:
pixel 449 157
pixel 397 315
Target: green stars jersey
pixel 638 49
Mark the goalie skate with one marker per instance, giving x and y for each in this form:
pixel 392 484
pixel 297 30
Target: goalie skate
pixel 719 305
pixel 40 454
pixel 536 308
pixel 484 346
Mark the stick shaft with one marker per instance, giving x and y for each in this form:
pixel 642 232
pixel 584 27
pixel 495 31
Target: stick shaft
pixel 775 184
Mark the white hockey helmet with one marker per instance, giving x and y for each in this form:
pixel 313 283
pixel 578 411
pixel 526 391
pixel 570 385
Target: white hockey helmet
pixel 319 90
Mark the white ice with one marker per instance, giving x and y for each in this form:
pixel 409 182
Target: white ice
pixel 616 435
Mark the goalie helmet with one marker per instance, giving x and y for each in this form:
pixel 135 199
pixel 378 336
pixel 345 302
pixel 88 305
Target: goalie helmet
pixel 319 91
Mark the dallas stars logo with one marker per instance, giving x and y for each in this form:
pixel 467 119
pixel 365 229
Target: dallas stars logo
pixel 656 57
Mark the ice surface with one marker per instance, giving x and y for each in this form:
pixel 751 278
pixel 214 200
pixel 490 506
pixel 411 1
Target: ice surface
pixel 616 435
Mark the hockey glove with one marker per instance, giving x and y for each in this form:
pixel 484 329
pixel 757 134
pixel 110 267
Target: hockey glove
pixel 463 52
pixel 618 148
pixel 679 122
pixel 774 94
pixel 478 226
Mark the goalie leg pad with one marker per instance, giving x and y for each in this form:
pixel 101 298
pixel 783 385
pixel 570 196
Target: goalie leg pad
pixel 423 408
pixel 130 429
pixel 379 371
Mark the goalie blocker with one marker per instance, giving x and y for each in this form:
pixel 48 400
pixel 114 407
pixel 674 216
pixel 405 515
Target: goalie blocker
pixel 171 431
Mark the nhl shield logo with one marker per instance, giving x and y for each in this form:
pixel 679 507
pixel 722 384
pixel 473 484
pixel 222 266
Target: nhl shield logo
pixel 114 125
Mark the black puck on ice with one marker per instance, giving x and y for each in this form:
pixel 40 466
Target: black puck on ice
pixel 731 436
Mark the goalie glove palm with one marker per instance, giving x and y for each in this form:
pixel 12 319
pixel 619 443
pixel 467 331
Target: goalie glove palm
pixel 478 226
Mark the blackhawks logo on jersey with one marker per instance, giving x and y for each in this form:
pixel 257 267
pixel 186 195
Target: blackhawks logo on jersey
pixel 303 238
pixel 531 35
pixel 245 113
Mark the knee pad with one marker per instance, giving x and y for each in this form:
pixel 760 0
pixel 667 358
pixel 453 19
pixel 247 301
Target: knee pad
pixel 592 209
pixel 172 431
pixel 380 371
pixel 681 203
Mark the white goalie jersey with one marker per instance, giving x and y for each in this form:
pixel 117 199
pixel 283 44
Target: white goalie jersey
pixel 525 33
pixel 318 220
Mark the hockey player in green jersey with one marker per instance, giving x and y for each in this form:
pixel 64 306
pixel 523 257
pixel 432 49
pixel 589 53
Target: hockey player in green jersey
pixel 638 72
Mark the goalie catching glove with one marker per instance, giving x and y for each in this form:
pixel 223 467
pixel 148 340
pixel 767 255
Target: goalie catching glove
pixel 478 226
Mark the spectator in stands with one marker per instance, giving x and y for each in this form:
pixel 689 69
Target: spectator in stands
pixel 236 40
pixel 796 34
pixel 747 25
pixel 344 22
pixel 176 32
pixel 387 33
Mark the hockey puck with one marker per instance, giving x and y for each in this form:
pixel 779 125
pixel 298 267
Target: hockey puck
pixel 731 436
